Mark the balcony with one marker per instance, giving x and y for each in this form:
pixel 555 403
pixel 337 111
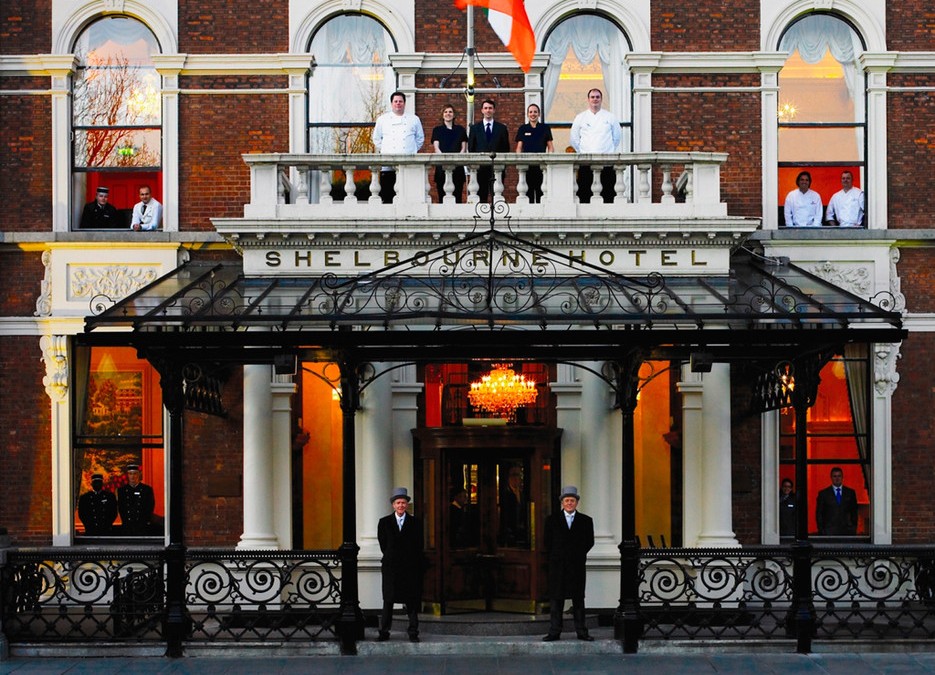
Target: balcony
pixel 656 193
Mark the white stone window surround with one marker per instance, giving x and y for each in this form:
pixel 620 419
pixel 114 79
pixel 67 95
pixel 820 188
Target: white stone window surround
pixel 868 18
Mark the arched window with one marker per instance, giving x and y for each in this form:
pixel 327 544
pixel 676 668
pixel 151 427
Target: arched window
pixel 117 115
pixel 351 57
pixel 822 118
pixel 587 51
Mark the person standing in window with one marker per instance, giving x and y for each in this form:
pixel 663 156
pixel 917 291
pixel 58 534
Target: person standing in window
pixel 786 509
pixel 836 508
pixel 449 137
pixel 569 535
pixel 396 133
pixel 97 508
pixel 803 205
pixel 488 136
pixel 400 537
pixel 595 131
pixel 136 502
pixel 846 208
pixel 147 214
pixel 534 136
pixel 100 214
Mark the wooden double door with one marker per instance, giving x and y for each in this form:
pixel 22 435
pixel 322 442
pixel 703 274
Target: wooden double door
pixel 488 491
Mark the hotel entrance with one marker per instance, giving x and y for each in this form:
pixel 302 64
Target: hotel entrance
pixel 487 492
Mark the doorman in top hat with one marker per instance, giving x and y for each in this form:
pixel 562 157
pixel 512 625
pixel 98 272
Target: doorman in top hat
pixel 569 535
pixel 401 540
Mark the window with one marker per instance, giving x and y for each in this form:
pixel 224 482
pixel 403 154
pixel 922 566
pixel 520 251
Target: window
pixel 118 423
pixel 116 119
pixel 822 119
pixel 351 54
pixel 838 434
pixel 587 52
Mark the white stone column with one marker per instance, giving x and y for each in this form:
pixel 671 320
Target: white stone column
pixel 374 459
pixel 600 480
pixel 716 518
pixel 567 391
pixel 282 390
pixel 60 68
pixel 258 529
pixel 874 182
pixel 169 66
pixel 57 357
pixel 692 390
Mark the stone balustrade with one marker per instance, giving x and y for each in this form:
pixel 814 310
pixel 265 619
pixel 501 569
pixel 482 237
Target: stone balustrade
pixel 650 187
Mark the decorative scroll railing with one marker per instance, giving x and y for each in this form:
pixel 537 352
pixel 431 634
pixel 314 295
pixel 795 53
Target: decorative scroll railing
pixel 62 595
pixel 652 183
pixel 878 593
pixel 66 596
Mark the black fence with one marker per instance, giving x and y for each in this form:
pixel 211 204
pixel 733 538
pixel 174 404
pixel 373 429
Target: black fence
pixel 57 596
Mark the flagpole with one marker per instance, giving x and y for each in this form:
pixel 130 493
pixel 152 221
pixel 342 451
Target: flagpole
pixel 470 65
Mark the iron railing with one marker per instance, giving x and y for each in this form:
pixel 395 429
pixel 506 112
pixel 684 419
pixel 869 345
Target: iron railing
pixel 55 596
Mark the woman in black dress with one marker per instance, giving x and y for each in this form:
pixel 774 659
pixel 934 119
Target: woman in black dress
pixel 535 136
pixel 449 137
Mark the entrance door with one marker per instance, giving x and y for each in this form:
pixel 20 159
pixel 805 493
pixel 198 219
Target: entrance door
pixel 495 488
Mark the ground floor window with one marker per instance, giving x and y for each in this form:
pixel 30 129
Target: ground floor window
pixel 838 436
pixel 119 453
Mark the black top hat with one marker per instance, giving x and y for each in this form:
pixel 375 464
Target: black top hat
pixel 103 190
pixel 133 467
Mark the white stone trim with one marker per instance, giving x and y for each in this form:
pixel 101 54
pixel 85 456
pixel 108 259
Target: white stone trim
pixel 632 17
pixel 70 17
pixel 304 21
pixel 867 16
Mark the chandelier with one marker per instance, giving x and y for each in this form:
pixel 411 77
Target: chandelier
pixel 502 391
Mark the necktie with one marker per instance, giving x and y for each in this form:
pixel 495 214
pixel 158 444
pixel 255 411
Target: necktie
pixel 400 521
pixel 570 520
pixel 837 494
pixel 489 131
pixel 143 209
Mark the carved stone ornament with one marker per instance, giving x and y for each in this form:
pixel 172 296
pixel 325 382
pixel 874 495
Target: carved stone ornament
pixel 885 377
pixel 114 281
pixel 115 6
pixel 44 301
pixel 899 304
pixel 858 279
pixel 55 356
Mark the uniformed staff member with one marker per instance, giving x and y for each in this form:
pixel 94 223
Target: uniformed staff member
pixel 97 508
pixel 99 214
pixel 136 502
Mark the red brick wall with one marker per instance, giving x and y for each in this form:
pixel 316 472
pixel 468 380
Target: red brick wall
pixel 233 26
pixel 26 26
pixel 714 122
pixel 917 278
pixel 913 431
pixel 213 457
pixel 442 27
pixel 910 25
pixel 215 129
pixel 22 276
pixel 25 158
pixel 26 456
pixel 911 147
pixel 706 26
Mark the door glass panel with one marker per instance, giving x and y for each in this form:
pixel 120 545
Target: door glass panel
pixel 513 504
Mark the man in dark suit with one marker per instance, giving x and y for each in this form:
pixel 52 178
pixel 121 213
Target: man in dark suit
pixel 97 508
pixel 786 509
pixel 487 136
pixel 569 535
pixel 836 508
pixel 400 537
pixel 136 503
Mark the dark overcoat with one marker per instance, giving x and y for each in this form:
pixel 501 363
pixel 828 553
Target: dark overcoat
pixel 787 515
pixel 833 518
pixel 136 506
pixel 97 511
pixel 568 553
pixel 402 565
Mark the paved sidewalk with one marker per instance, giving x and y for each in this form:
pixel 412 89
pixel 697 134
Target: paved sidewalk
pixel 654 664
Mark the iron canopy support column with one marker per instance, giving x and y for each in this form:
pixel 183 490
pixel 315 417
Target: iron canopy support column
pixel 628 625
pixel 173 398
pixel 351 619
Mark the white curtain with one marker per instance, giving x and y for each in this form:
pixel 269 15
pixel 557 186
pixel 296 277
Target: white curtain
pixel 857 391
pixel 351 53
pixel 815 35
pixel 589 36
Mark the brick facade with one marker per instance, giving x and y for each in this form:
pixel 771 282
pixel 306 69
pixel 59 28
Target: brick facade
pixel 705 26
pixel 910 133
pixel 26 27
pixel 26 166
pixel 233 26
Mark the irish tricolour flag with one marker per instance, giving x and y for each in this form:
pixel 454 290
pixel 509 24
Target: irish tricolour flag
pixel 509 21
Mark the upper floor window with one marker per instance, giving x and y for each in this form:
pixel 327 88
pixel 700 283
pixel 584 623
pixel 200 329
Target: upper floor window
pixel 587 52
pixel 822 120
pixel 116 126
pixel 350 84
